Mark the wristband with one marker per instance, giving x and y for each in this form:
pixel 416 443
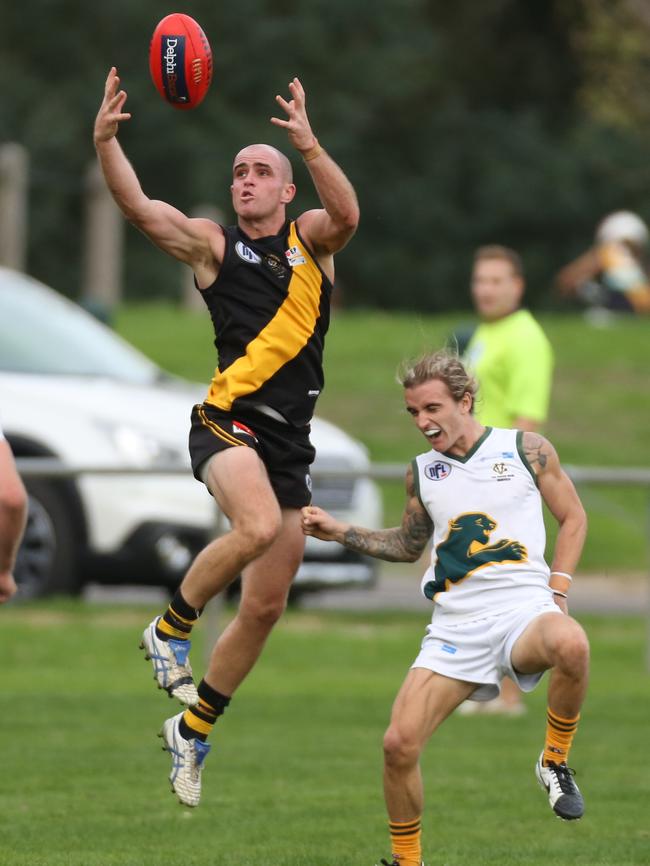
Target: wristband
pixel 557 592
pixel 562 574
pixel 314 151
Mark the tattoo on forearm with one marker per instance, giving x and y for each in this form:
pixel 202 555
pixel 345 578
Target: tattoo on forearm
pixel 393 545
pixel 403 543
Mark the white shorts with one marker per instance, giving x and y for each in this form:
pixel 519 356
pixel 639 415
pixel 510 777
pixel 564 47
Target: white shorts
pixel 479 651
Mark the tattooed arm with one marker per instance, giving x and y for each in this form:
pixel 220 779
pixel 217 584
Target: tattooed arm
pixel 560 496
pixel 537 451
pixel 403 543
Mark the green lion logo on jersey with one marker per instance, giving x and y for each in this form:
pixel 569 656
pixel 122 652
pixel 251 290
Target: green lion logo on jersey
pixel 466 549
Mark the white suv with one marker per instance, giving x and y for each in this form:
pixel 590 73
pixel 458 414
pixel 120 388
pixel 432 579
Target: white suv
pixel 73 391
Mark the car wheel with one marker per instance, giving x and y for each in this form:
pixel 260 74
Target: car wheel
pixel 47 561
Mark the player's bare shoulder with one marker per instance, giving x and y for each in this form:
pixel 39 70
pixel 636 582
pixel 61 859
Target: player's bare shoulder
pixel 539 453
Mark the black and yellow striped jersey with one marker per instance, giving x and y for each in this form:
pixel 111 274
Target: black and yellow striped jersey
pixel 270 309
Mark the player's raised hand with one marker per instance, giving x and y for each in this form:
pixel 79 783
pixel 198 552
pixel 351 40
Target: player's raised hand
pixel 297 124
pixel 111 112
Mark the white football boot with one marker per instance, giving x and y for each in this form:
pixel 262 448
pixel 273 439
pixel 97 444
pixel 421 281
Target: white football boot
pixel 563 793
pixel 187 761
pixel 171 666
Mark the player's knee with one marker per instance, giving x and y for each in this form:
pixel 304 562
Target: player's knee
pixel 572 650
pixel 257 537
pixel 263 613
pixel 400 750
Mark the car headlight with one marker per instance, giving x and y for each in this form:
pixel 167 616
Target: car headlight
pixel 142 449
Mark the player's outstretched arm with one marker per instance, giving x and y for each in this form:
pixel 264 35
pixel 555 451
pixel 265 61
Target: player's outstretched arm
pixel 120 177
pixel 561 497
pixel 197 242
pixel 403 543
pixel 328 230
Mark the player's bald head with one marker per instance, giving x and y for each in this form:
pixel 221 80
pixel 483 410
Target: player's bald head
pixel 266 153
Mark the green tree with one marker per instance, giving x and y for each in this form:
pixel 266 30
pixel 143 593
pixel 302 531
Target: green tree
pixel 459 124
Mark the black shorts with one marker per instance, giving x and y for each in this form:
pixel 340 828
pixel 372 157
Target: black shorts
pixel 284 449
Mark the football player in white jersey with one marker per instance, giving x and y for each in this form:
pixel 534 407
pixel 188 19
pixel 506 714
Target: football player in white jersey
pixel 497 606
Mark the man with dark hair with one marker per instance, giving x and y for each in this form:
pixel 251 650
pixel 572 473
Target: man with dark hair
pixel 513 361
pixel 508 351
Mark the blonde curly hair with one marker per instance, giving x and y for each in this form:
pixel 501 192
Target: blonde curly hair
pixel 443 365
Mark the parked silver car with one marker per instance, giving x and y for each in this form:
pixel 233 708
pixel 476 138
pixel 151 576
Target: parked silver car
pixel 72 390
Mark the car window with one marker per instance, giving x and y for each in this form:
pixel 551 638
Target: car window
pixel 43 332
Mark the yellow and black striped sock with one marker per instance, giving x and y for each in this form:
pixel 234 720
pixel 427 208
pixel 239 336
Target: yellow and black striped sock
pixel 406 841
pixel 197 721
pixel 178 619
pixel 559 737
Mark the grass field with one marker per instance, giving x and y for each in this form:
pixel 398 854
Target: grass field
pixel 599 415
pixel 294 778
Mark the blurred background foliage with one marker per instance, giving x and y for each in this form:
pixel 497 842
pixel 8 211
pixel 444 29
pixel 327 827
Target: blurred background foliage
pixel 459 124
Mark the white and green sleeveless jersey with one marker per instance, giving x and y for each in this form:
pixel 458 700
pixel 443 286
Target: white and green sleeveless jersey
pixel 489 537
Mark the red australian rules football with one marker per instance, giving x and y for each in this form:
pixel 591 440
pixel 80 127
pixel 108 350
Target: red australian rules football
pixel 180 61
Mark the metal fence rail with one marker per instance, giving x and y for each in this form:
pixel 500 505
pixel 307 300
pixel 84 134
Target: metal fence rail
pixel 50 467
pixel 47 467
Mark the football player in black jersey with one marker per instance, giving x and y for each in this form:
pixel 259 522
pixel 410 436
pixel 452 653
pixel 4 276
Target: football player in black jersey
pixel 267 282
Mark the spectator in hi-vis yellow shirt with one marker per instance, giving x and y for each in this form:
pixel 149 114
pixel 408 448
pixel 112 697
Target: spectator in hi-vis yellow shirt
pixel 512 359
